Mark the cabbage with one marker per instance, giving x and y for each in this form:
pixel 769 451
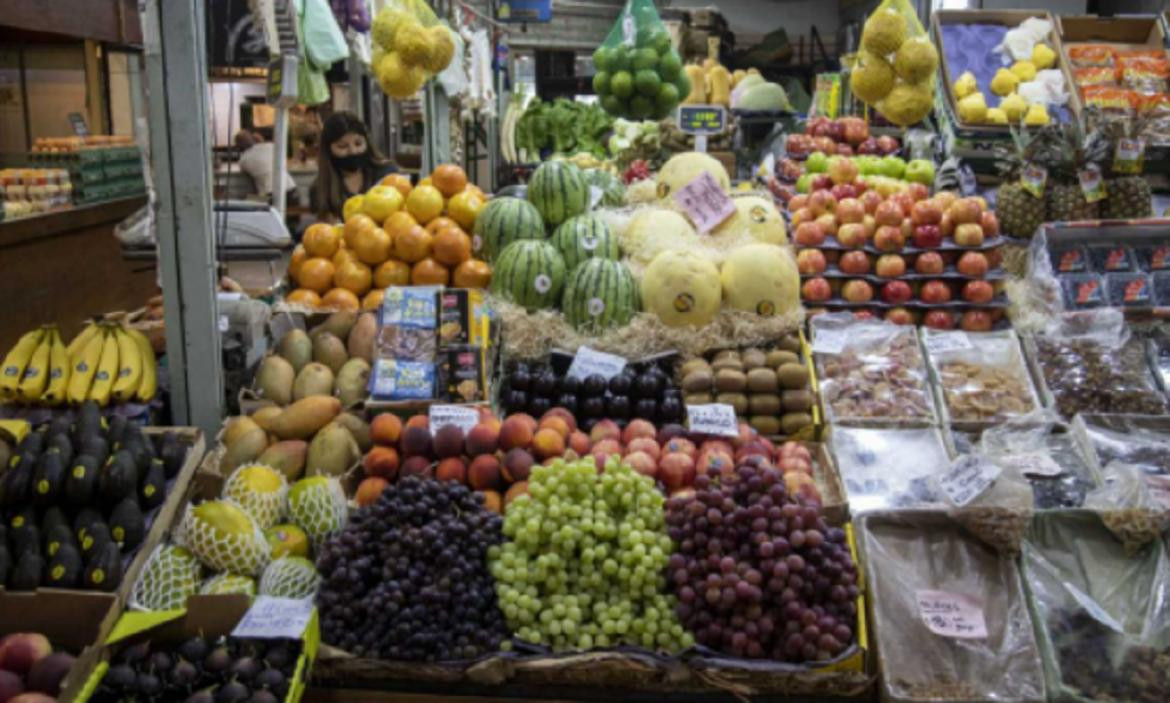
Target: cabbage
pixel 764 96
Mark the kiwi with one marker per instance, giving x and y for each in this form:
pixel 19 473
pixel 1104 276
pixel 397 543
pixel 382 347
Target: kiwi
pixel 796 401
pixel 691 365
pixel 790 343
pixel 792 376
pixel 791 423
pixel 762 380
pixel 765 424
pixel 779 357
pixel 753 358
pixel 698 382
pixel 763 404
pixel 730 381
pixel 698 398
pixel 724 354
pixel 727 363
pixel 738 401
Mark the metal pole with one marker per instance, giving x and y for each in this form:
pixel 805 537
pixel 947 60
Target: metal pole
pixel 176 78
pixel 280 157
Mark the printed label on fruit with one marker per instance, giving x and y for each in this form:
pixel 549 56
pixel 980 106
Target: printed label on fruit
pixel 1034 179
pixel 829 341
pixel 947 614
pixel 274 618
pixel 461 416
pixel 1128 156
pixel 542 284
pixel 596 306
pixel 705 202
pixel 1032 463
pixel 713 418
pixel 628 30
pixel 588 242
pixel 968 476
pixel 589 362
pixel 1092 185
pixel 947 342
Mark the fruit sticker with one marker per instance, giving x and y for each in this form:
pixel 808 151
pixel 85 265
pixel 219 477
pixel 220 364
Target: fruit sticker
pixel 1034 179
pixel 542 283
pixel 1128 156
pixel 1092 185
pixel 684 302
pixel 596 306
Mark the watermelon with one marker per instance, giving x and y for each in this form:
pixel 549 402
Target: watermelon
pixel 613 191
pixel 559 191
pixel 503 221
pixel 530 273
pixel 600 293
pixel 583 237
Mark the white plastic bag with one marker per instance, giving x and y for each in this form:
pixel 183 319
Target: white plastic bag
pixel 1018 42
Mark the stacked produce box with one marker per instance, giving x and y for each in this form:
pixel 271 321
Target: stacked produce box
pixel 30 191
pixel 100 167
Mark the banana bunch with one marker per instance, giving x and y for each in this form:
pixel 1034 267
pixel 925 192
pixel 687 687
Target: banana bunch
pixel 105 362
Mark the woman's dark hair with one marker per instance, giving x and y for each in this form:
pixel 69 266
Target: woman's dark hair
pixel 329 189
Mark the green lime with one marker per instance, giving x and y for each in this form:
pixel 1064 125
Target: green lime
pixel 613 105
pixel 661 42
pixel 645 60
pixel 601 58
pixel 667 96
pixel 601 82
pixel 641 108
pixel 621 85
pixel 620 59
pixel 683 83
pixel 669 66
pixel 646 82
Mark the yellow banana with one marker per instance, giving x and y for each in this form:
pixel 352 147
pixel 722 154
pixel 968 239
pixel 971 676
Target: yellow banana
pixel 79 342
pixel 59 369
pixel 12 371
pixel 36 374
pixel 107 370
pixel 129 366
pixel 148 384
pixel 86 368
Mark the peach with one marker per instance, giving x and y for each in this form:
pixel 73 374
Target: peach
pixel 715 460
pixel 548 442
pixel 676 470
pixel 801 485
pixel 638 428
pixel 643 463
pixel 557 423
pixel 419 421
pixel 520 488
pixel 562 413
pixel 579 442
pixel 680 445
pixel 452 469
pixel 484 473
pixel 448 441
pixel 515 432
pixel 416 441
pixel 645 444
pixel 605 429
pixel 526 419
pixel 517 465
pixel 417 466
pixel 483 439
pixel 381 462
pixel 492 501
pixel 369 490
pixel 386 429
pixel 711 445
pixel 670 431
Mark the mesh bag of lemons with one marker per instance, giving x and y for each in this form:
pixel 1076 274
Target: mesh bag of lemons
pixel 638 74
pixel 897 64
pixel 411 46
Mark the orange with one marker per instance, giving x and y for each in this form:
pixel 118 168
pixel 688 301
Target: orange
pixel 399 223
pixel 381 202
pixel 353 206
pixel 294 263
pixel 429 272
pixel 304 296
pixel 341 299
pixel 400 181
pixel 413 245
pixel 373 299
pixel 316 274
pixel 372 246
pixel 426 181
pixel 343 255
pixel 321 240
pixel 353 276
pixel 392 273
pixel 356 224
pixel 439 223
pixel 473 188
pixel 472 273
pixel 449 179
pixel 451 246
pixel 425 203
pixel 464 208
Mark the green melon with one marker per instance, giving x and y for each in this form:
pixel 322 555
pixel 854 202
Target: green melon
pixel 171 575
pixel 600 293
pixel 261 490
pixel 613 191
pixel 228 583
pixel 290 577
pixel 585 237
pixel 503 221
pixel 559 191
pixel 224 537
pixel 317 505
pixel 530 273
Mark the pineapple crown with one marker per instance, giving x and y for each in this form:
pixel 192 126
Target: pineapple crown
pixel 1028 146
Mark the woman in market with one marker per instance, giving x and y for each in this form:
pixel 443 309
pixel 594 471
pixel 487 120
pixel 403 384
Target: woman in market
pixel 347 165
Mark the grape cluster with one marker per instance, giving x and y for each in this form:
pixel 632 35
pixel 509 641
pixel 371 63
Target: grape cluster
pixel 758 573
pixel 585 564
pixel 408 579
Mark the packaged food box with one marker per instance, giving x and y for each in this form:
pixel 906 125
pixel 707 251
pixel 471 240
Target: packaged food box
pixel 1083 290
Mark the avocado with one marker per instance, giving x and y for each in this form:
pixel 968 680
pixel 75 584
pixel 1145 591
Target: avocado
pixel 48 479
pixel 103 571
pixel 140 448
pixel 116 433
pixel 64 570
pixel 21 521
pixel 53 517
pixel 61 424
pixel 172 452
pixel 85 518
pixel 5 564
pixel 62 444
pixel 118 478
pixel 95 446
pixel 94 538
pixel 25 540
pixel 30 567
pixel 89 420
pixel 56 537
pixel 127 524
pixel 154 486
pixel 33 443
pixel 81 482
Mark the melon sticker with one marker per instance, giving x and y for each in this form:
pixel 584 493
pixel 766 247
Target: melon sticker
pixel 476 243
pixel 542 283
pixel 589 242
pixel 758 214
pixel 596 306
pixel 684 302
pixel 765 307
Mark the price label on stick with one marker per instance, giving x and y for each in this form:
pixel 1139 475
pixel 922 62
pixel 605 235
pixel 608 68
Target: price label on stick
pixel 713 418
pixel 588 362
pixel 968 476
pixel 461 416
pixel 271 617
pixel 705 202
pixel 951 614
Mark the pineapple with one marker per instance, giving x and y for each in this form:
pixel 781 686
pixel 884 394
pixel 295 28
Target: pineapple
pixel 1020 213
pixel 1066 203
pixel 1075 150
pixel 1129 194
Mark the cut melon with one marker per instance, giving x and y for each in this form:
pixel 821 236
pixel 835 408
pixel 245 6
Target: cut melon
pixel 655 230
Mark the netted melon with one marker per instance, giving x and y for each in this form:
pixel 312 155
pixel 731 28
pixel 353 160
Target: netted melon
pixel 224 537
pixel 414 43
pixel 170 576
pixel 317 505
pixel 223 584
pixel 290 577
pixel 260 490
pixel 287 540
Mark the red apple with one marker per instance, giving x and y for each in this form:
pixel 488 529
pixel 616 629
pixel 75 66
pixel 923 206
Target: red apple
pixel 897 292
pixel 852 235
pixel 828 222
pixel 826 144
pixel 947 225
pixel 973 263
pixel 676 470
pixel 945 199
pixel 855 130
pixel 842 191
pixel 798 145
pixel 870 199
pixel 935 292
pixel 811 261
pixel 930 263
pixel 888 213
pixel 821 181
pixel 857 291
pixel 804 214
pixel 939 320
pixel 978 292
pixel 904 201
pixel 926 212
pixel 870 225
pixel 976 321
pixel 927 236
pixel 887 144
pixel 821 202
pixel 854 263
pixel 969 235
pixel 918 191
pixel 990 223
pixel 844 150
pixel 797 201
pixel 869 146
pixel 809 234
pixel 850 210
pixel 900 316
pixel 816 290
pixel 890 266
pixel 965 211
pixel 842 171
pixel 889 239
pixel 818 126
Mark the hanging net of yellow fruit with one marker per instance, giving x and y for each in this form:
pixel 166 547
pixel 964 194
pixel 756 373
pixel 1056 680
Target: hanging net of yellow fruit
pixel 897 64
pixel 411 46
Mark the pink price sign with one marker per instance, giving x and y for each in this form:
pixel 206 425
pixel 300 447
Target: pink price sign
pixel 705 202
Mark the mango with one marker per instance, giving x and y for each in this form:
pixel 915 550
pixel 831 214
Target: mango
pixel 332 451
pixel 287 457
pixel 236 427
pixel 338 324
pixel 248 447
pixel 305 417
pixel 274 380
pixel 359 428
pixel 264 417
pixel 361 337
pixel 329 350
pixel 314 379
pixel 296 348
pixel 352 382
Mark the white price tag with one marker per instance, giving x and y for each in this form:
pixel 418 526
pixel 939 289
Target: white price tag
pixel 595 196
pixel 829 341
pixel 968 476
pixel 588 362
pixel 1032 464
pixel 271 617
pixel 628 30
pixel 461 416
pixel 713 418
pixel 947 342
pixel 951 614
pixel 705 202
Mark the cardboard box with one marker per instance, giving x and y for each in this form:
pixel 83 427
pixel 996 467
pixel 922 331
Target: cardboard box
pixel 1123 33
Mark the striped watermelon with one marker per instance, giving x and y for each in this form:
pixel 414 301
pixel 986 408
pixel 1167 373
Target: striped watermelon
pixel 600 293
pixel 559 191
pixel 613 191
pixel 503 221
pixel 530 273
pixel 583 237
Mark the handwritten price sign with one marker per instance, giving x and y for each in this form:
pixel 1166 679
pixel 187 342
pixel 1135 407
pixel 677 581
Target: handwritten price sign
pixel 951 614
pixel 705 202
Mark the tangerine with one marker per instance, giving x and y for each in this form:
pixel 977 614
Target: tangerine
pixel 428 181
pixel 356 224
pixel 373 299
pixel 465 207
pixel 343 255
pixel 413 245
pixel 399 223
pixel 341 299
pixel 449 179
pixel 400 181
pixel 352 206
pixel 451 246
pixel 304 296
pixel 353 276
pixel 321 240
pixel 439 223
pixel 392 273
pixel 381 202
pixel 294 263
pixel 472 273
pixel 425 202
pixel 316 274
pixel 429 272
pixel 372 246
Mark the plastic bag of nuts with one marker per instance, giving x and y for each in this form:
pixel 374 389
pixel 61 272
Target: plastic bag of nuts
pixel 870 372
pixel 981 375
pixel 1000 513
pixel 1051 463
pixel 1133 509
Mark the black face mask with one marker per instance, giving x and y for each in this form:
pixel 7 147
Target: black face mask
pixel 353 162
